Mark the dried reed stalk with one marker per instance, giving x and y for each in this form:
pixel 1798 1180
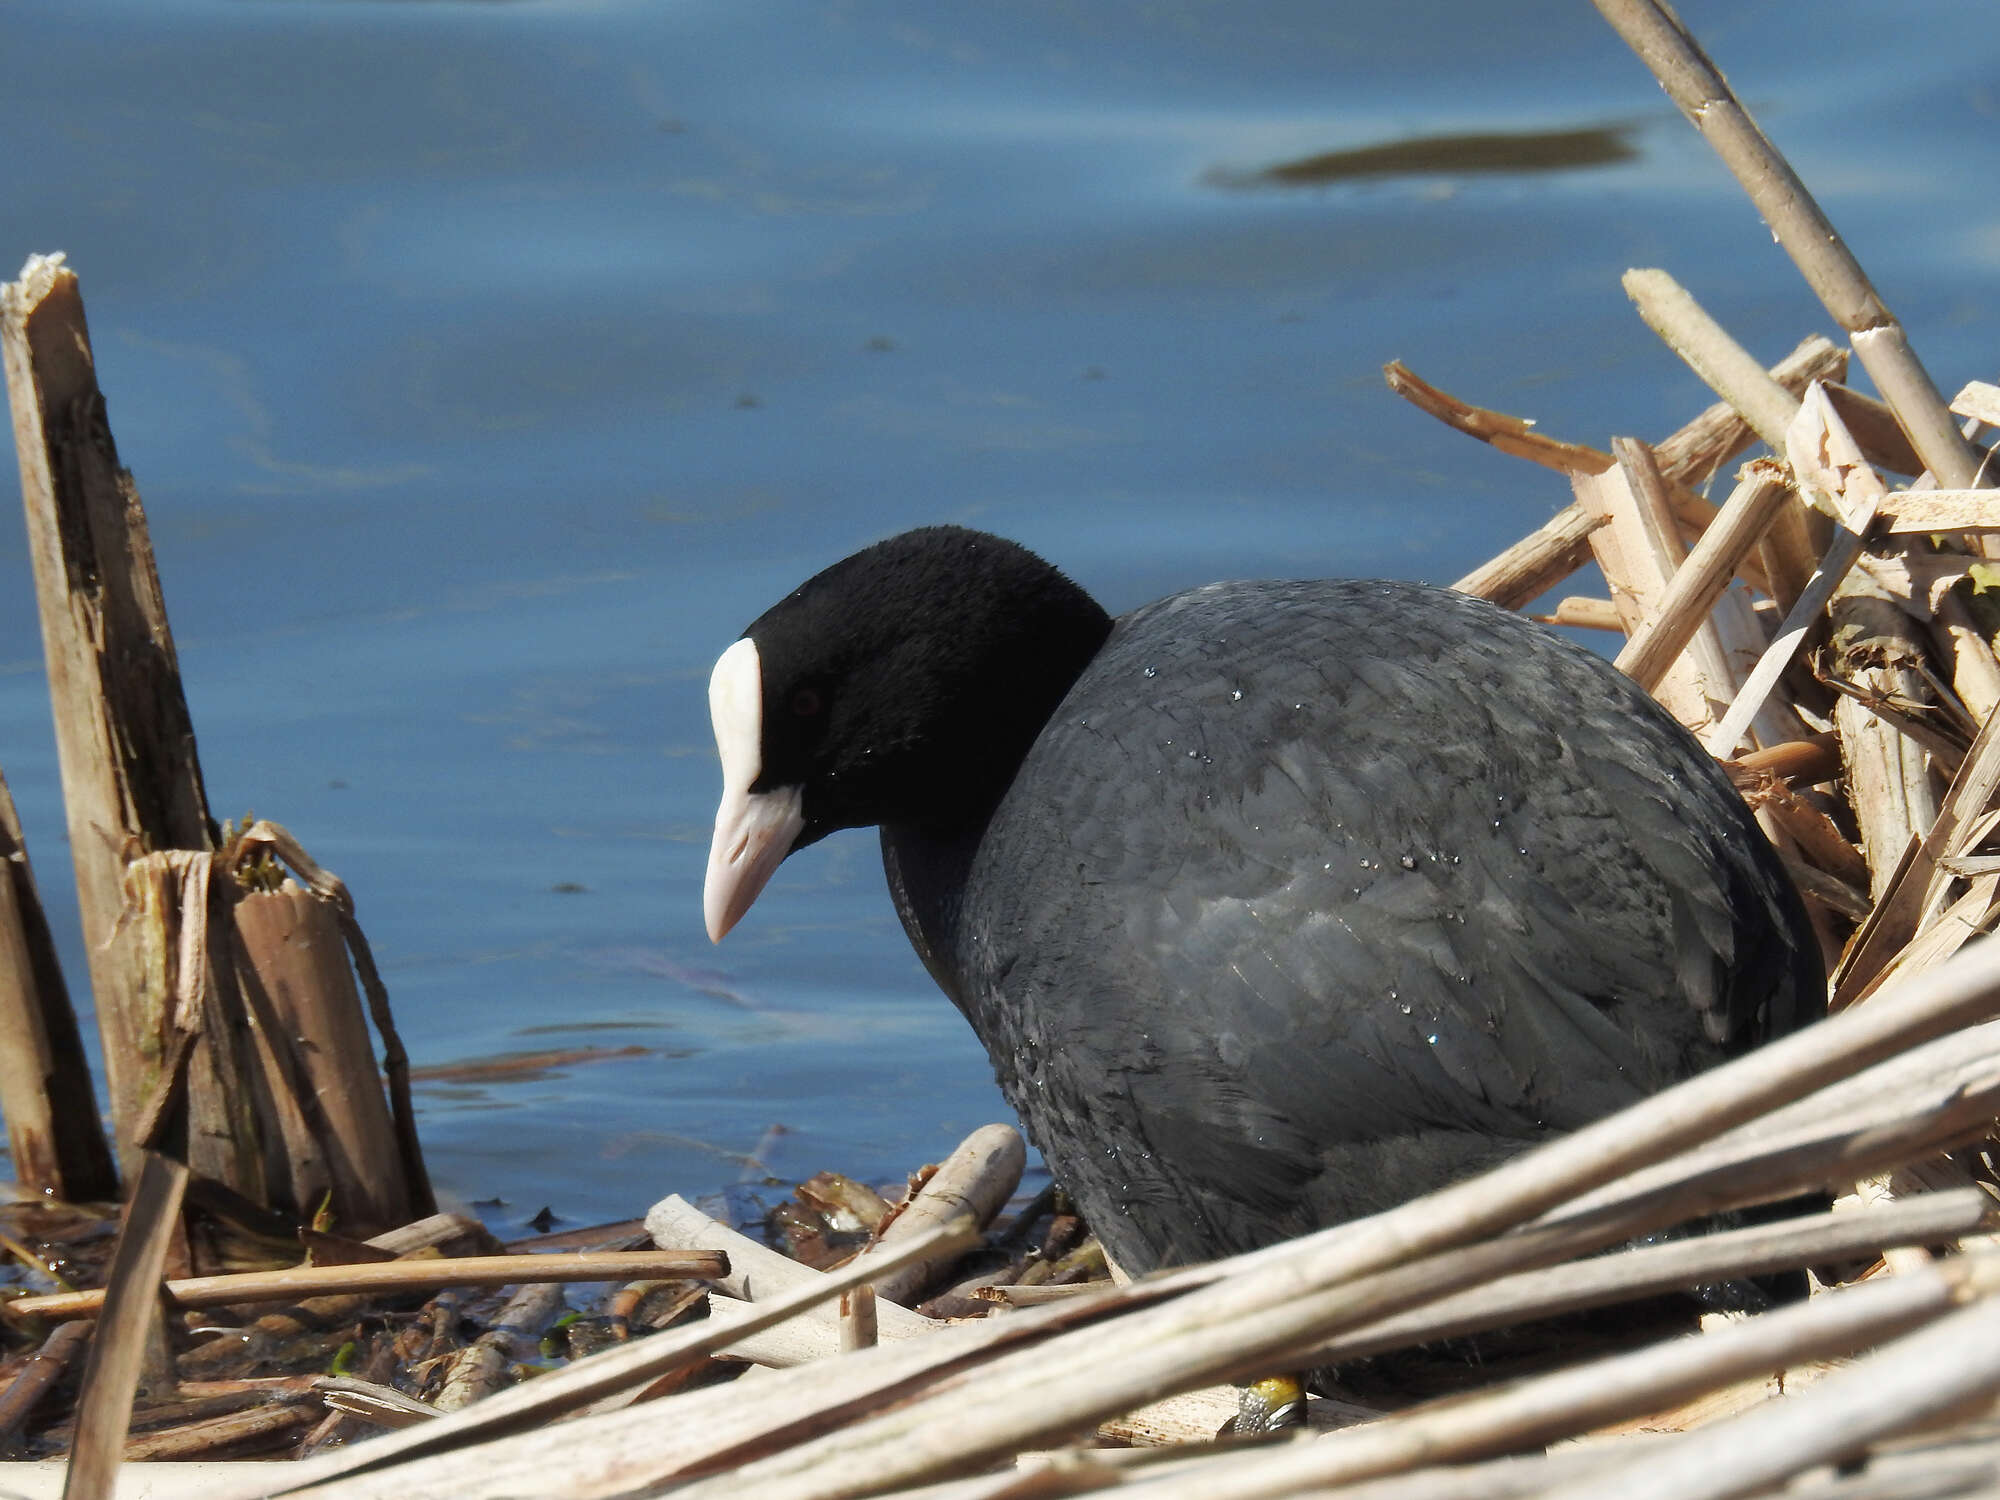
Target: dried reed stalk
pixel 395 1276
pixel 1925 512
pixel 1728 369
pixel 1694 83
pixel 1699 450
pixel 1538 562
pixel 260 1425
pixel 1582 614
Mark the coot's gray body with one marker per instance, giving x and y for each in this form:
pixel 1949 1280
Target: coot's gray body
pixel 1305 898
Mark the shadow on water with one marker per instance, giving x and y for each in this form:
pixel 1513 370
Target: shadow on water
pixel 1443 155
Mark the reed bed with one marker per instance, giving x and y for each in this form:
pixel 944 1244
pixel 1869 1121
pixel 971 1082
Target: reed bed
pixel 1824 627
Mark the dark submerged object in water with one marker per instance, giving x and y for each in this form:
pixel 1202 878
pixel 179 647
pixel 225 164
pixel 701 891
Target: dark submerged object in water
pixel 1275 904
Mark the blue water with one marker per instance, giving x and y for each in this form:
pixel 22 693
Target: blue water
pixel 485 367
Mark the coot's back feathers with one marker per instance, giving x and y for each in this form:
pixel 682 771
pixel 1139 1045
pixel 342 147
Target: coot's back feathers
pixel 1303 898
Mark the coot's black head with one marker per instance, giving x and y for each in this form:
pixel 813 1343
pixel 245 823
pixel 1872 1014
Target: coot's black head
pixel 903 685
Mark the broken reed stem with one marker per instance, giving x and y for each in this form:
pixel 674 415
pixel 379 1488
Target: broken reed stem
pixel 131 781
pixel 758 1273
pixel 310 1040
pixel 974 1182
pixel 330 888
pixel 1515 435
pixel 480 1368
pixel 1725 365
pixel 1878 652
pixel 1704 574
pixel 398 1276
pixel 1694 83
pixel 131 1310
pixel 46 1095
pixel 857 1319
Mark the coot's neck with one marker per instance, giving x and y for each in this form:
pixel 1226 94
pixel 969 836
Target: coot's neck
pixel 927 874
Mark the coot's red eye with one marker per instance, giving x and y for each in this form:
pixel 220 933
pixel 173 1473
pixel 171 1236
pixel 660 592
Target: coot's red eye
pixel 806 702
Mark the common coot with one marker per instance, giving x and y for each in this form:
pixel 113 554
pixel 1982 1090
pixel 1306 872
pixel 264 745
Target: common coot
pixel 1274 904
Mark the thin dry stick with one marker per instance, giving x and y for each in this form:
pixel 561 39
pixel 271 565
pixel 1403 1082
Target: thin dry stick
pixel 397 1276
pixel 1919 1377
pixel 1515 435
pixel 1539 561
pixel 974 1182
pixel 40 1371
pixel 197 1438
pixel 1706 572
pixel 1694 83
pixel 1728 369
